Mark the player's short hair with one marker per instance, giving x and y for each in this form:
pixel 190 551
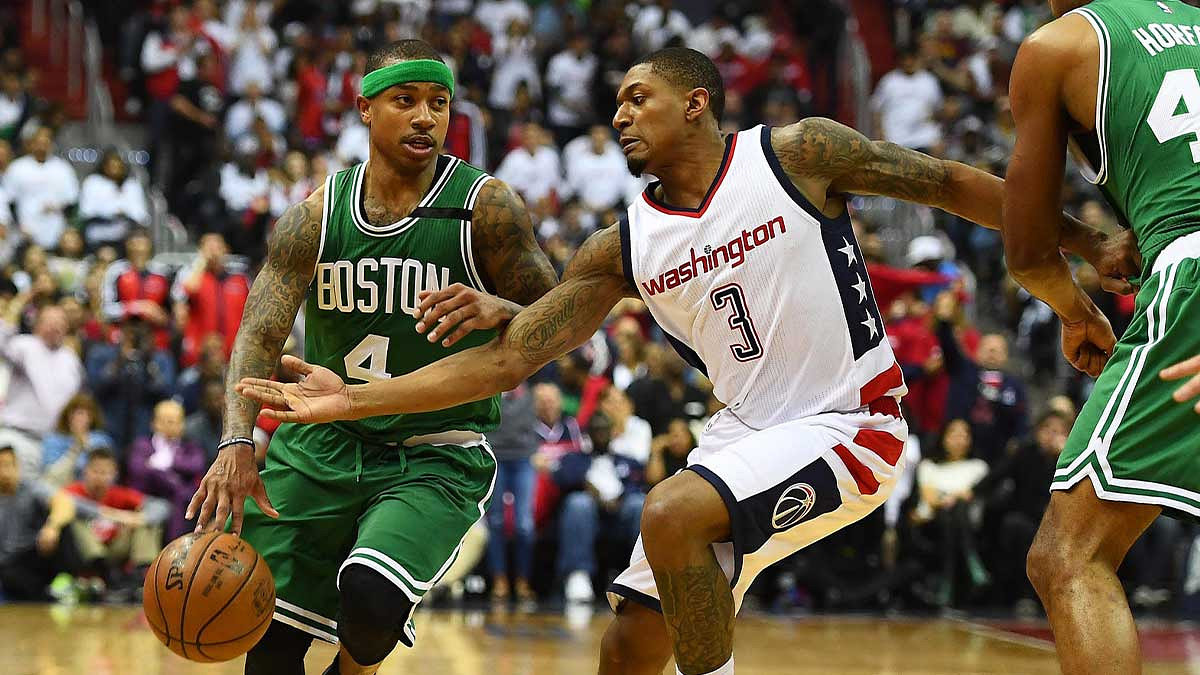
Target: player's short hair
pixel 8 450
pixel 100 453
pixel 689 69
pixel 401 50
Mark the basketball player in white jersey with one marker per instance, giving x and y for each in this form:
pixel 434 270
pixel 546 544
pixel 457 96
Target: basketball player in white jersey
pixel 744 253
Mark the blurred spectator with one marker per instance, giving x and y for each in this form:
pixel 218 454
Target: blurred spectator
pixel 32 546
pixel 596 501
pixel 42 186
pixel 194 117
pixel 946 488
pixel 239 120
pixel 568 86
pixel 210 364
pixel 45 375
pixel 513 444
pixel 165 465
pixel 203 427
pixel 354 144
pixel 558 435
pixel 664 393
pixel 534 169
pixel 515 51
pixel 167 57
pixel 991 400
pixel 669 452
pixel 246 190
pixel 68 266
pixel 80 430
pixel 631 435
pixel 906 103
pixel 292 183
pixel 137 289
pixel 211 295
pixel 251 65
pixel 111 202
pixel 128 378
pixel 15 105
pixel 497 15
pixel 596 169
pixel 658 23
pixel 117 530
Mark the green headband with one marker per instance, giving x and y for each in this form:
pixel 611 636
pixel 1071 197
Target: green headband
pixel 419 70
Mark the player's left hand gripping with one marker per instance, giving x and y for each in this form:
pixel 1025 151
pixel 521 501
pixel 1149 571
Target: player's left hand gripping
pixel 1118 260
pixel 1088 342
pixel 1191 388
pixel 451 313
pixel 319 396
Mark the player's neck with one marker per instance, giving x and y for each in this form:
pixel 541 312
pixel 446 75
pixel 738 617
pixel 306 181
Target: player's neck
pixel 387 184
pixel 685 182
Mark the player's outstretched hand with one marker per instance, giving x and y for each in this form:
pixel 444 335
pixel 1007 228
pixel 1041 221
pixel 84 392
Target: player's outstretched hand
pixel 319 396
pixel 1088 342
pixel 1118 260
pixel 232 477
pixel 1191 388
pixel 451 313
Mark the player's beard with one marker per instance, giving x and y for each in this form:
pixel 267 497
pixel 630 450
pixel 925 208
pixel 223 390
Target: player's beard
pixel 636 166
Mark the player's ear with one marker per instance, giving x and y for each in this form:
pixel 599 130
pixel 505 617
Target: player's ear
pixel 697 103
pixel 364 109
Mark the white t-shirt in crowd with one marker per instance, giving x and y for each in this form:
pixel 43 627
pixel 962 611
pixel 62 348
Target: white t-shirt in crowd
pixel 634 442
pixel 906 105
pixel 40 191
pixel 239 190
pixel 100 197
pixel 949 478
pixel 496 15
pixel 535 175
pixel 240 118
pixel 599 180
pixel 572 77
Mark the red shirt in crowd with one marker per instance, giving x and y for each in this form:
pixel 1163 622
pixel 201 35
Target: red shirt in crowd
pixel 214 306
pixel 117 497
pixel 124 288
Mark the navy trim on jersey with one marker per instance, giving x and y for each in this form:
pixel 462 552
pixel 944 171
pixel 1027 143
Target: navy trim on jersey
pixel 863 318
pixel 726 160
pixel 785 181
pixel 736 527
pixel 626 252
pixel 693 359
pixel 647 601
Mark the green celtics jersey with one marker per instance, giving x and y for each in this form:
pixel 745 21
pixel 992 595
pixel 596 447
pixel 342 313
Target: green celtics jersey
pixel 1145 154
pixel 359 314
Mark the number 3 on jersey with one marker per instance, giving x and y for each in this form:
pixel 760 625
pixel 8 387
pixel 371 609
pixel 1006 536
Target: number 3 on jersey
pixel 731 295
pixel 368 361
pixel 1180 91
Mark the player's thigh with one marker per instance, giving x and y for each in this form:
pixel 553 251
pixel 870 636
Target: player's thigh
pixel 412 528
pixel 305 545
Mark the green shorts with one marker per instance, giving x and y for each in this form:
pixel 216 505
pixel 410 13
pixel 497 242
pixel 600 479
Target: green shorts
pixel 1131 439
pixel 401 511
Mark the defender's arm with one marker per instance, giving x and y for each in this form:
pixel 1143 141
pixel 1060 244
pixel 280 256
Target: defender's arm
pixel 560 321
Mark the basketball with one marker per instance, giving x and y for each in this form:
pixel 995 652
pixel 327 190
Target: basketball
pixel 209 597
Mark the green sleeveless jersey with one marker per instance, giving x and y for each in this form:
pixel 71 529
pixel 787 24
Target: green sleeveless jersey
pixel 1145 154
pixel 359 314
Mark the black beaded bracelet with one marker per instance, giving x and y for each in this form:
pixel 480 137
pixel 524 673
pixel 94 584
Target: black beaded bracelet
pixel 236 440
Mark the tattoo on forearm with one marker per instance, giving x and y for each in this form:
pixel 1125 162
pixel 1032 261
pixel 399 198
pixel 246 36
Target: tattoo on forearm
pixel 572 311
pixel 271 307
pixel 502 239
pixel 698 608
pixel 821 148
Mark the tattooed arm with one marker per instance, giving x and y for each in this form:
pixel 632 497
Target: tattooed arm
pixel 511 262
pixel 267 320
pixel 826 159
pixel 557 323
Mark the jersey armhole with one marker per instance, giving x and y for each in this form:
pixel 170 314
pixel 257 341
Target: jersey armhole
pixel 785 181
pixel 468 253
pixel 1103 82
pixel 627 253
pixel 326 211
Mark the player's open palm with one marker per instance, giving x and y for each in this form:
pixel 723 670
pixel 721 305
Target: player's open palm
pixel 1089 342
pixel 319 396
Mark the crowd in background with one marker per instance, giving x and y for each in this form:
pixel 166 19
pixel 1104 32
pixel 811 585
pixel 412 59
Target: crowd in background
pixel 114 358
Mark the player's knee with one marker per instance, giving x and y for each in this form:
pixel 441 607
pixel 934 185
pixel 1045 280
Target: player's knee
pixel 374 612
pixel 1050 563
pixel 280 651
pixel 681 511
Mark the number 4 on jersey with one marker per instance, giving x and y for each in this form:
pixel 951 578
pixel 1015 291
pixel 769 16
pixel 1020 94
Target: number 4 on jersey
pixel 1176 109
pixel 368 361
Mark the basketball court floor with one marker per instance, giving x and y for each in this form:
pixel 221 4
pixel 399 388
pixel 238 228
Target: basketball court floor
pixel 46 640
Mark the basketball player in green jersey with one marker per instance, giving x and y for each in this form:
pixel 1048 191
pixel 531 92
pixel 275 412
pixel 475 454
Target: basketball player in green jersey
pixel 371 513
pixel 1119 78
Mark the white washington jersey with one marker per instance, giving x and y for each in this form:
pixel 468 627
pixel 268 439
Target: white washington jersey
pixel 764 293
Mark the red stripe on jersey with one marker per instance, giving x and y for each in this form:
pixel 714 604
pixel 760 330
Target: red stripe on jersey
pixel 881 384
pixel 708 198
pixel 881 443
pixel 867 484
pixel 885 405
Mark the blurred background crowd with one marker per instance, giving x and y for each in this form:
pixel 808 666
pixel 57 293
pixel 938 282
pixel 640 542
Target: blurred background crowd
pixel 134 206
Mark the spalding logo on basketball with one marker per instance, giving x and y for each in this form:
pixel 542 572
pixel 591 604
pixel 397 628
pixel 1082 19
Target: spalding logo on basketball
pixel 793 505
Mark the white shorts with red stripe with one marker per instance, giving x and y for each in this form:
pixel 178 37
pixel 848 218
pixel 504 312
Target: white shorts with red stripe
pixel 785 487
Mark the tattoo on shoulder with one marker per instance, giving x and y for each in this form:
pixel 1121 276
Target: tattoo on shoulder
pixel 502 237
pixel 821 148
